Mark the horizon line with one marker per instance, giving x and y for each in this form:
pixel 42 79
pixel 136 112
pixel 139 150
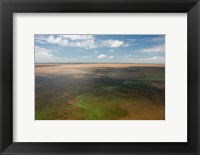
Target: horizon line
pixel 91 63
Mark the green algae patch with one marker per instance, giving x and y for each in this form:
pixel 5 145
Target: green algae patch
pixel 110 88
pixel 100 107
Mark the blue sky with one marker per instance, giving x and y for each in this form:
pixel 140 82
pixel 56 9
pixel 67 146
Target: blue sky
pixel 54 48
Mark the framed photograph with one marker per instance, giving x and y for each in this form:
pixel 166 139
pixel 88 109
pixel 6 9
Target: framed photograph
pixel 103 77
pixel 99 77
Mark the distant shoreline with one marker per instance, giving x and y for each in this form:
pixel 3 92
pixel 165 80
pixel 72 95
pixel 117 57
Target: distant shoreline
pixel 97 65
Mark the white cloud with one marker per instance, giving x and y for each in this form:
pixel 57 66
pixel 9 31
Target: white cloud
pixel 57 40
pixel 40 41
pixel 112 43
pixel 78 37
pixel 40 49
pixel 54 40
pixel 154 49
pixel 102 56
pixel 88 44
pixel 84 41
pixel 44 55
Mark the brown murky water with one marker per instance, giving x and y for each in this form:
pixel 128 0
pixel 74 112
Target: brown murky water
pixel 100 92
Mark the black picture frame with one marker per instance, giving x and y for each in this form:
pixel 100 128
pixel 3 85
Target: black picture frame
pixel 8 7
